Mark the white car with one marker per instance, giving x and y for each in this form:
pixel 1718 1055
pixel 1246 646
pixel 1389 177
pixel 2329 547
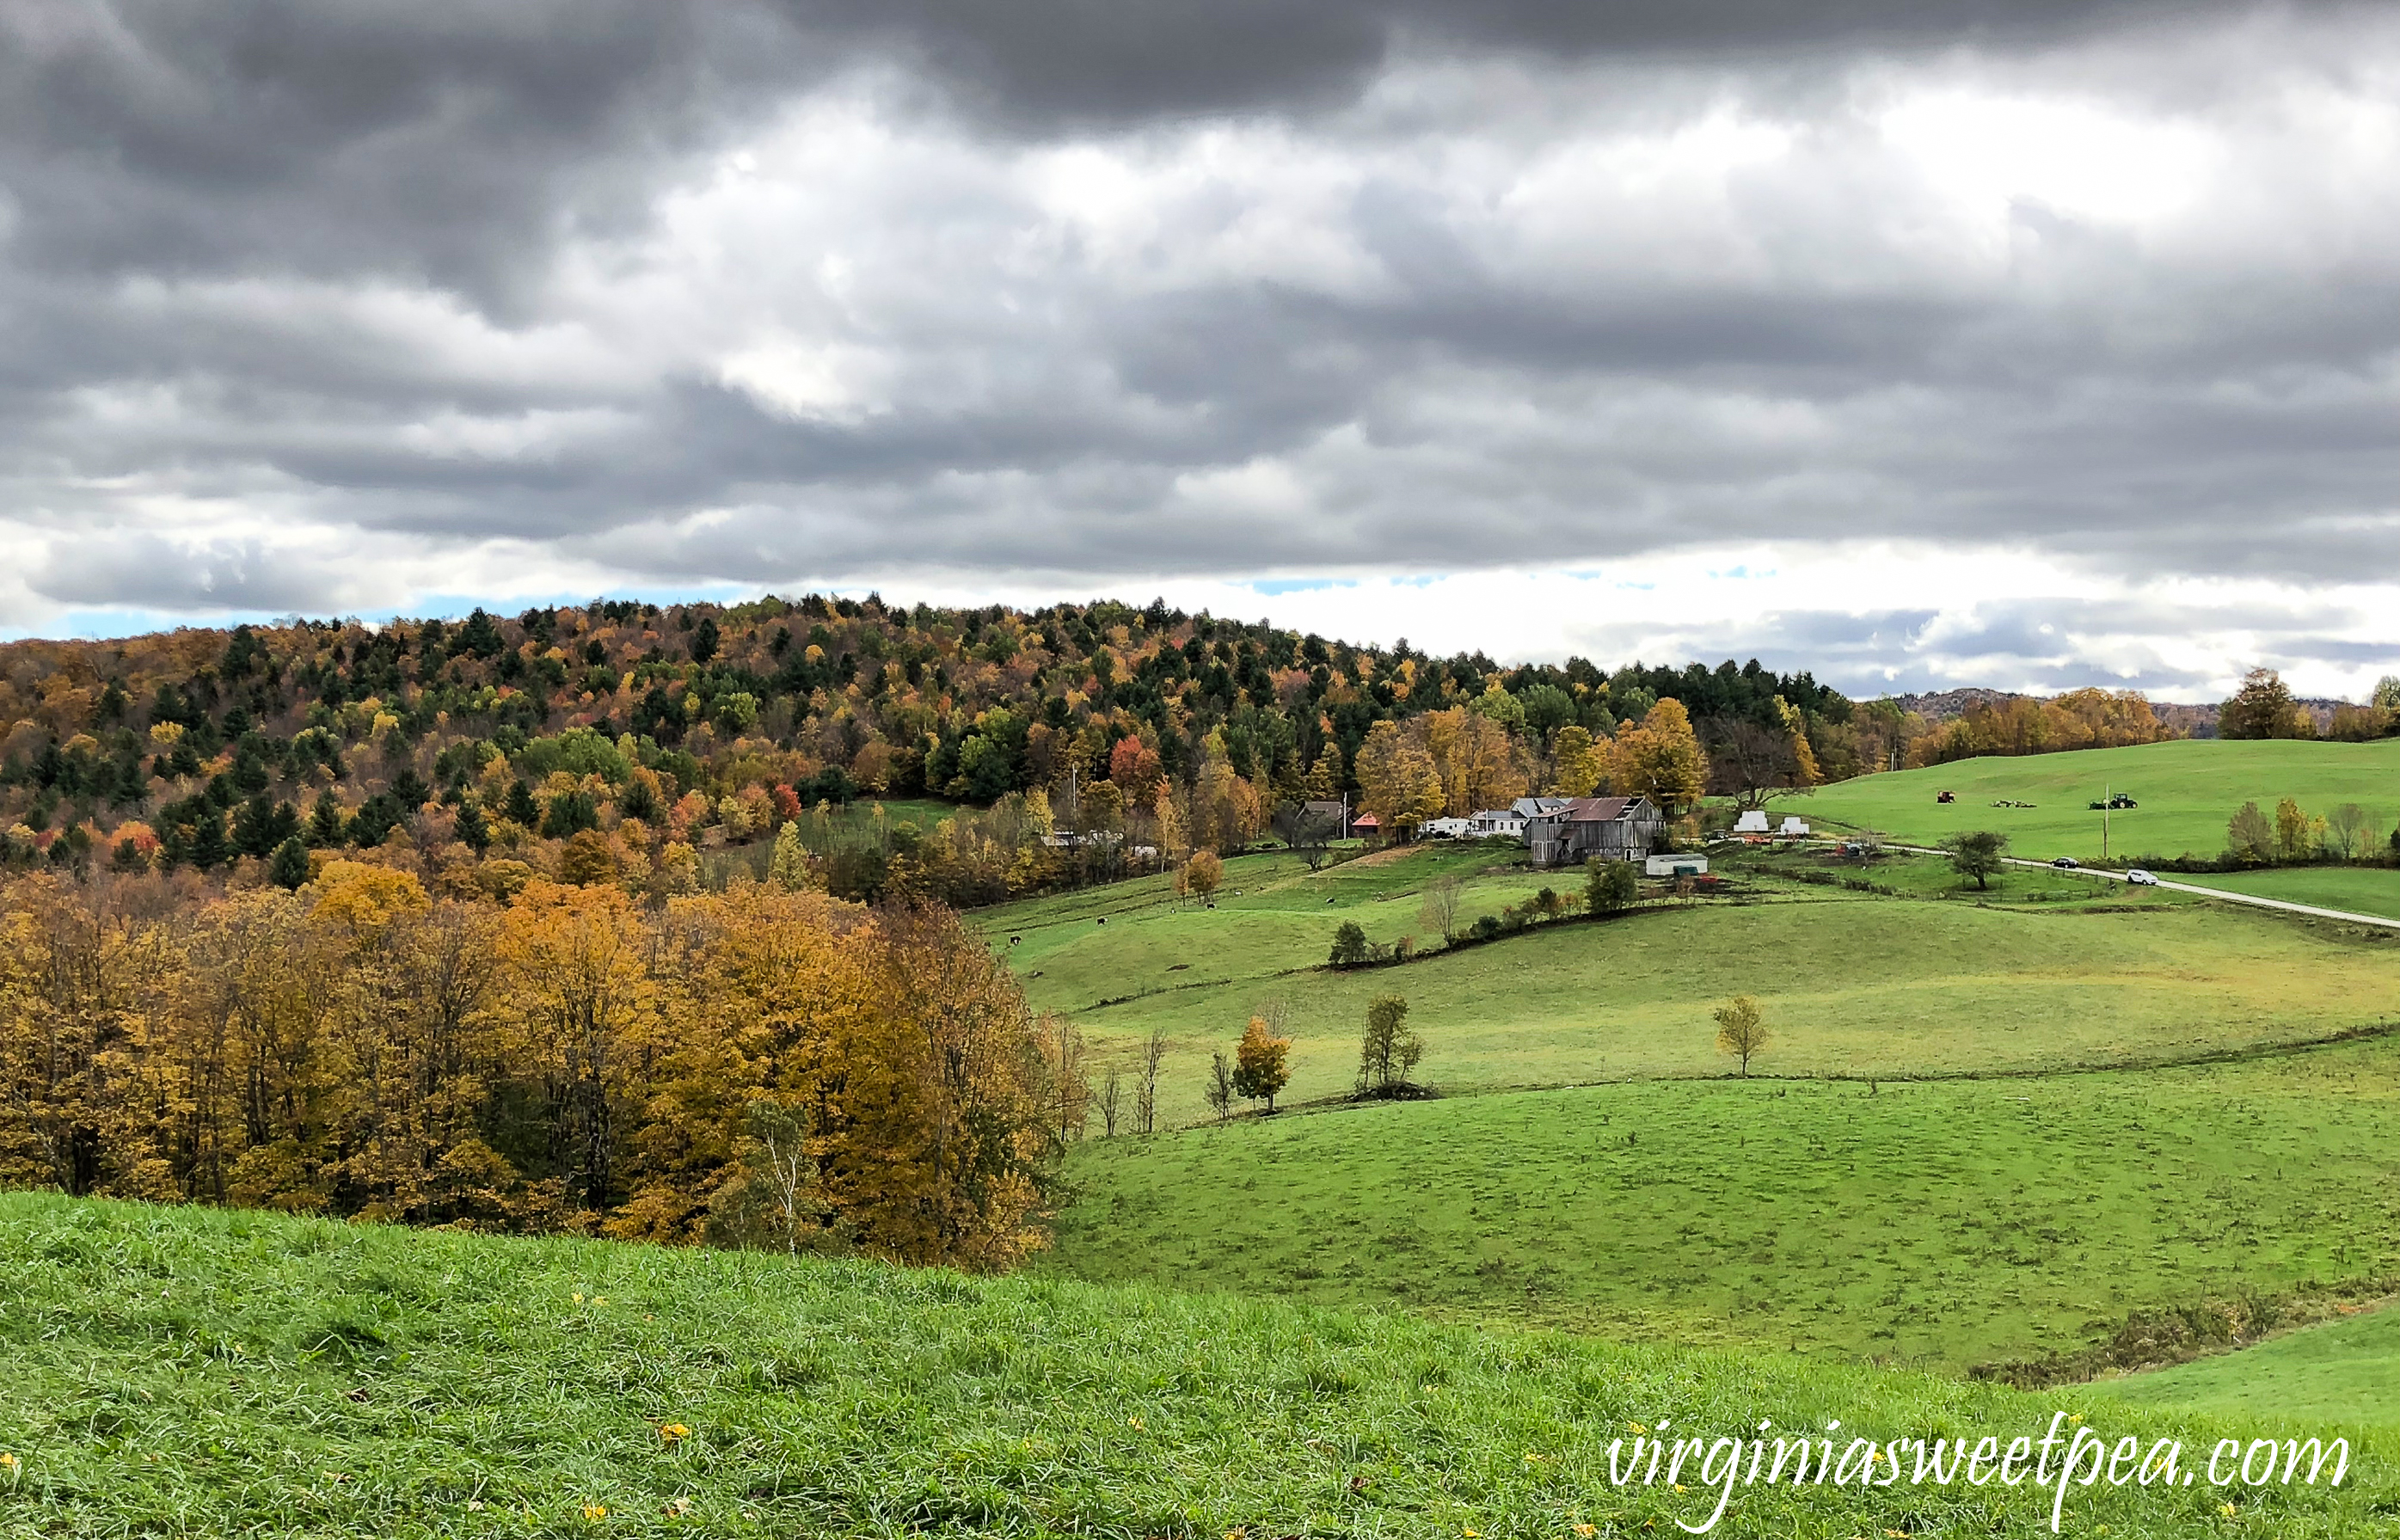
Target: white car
pixel 2141 879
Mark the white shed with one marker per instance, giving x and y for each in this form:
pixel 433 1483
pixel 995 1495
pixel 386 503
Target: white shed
pixel 1753 822
pixel 1677 865
pixel 1794 828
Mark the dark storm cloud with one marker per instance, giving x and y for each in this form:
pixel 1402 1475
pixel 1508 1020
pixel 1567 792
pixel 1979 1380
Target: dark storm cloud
pixel 422 277
pixel 436 140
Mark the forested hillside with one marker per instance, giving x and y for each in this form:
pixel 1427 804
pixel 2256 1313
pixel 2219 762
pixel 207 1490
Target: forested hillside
pixel 665 749
pixel 663 734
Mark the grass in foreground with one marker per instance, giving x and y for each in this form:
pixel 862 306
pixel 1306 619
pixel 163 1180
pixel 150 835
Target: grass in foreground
pixel 2187 791
pixel 1946 1223
pixel 192 1372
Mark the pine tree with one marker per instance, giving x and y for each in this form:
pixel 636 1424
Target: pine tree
pixel 473 832
pixel 208 850
pixel 325 821
pixel 288 868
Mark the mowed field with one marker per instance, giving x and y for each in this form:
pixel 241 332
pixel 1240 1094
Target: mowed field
pixel 200 1372
pixel 2354 890
pixel 2187 791
pixel 1855 983
pixel 1946 1225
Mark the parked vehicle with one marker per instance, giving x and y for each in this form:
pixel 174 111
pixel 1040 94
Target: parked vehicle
pixel 2066 863
pixel 2141 879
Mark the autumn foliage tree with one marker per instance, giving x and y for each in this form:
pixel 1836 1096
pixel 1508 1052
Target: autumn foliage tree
pixel 1660 758
pixel 1261 1067
pixel 1741 1029
pixel 759 1066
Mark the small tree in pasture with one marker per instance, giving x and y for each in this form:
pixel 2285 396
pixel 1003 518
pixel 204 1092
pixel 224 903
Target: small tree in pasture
pixel 1441 907
pixel 1145 1088
pixel 1204 873
pixel 1610 886
pixel 1741 1029
pixel 1219 1093
pixel 2292 841
pixel 1111 1101
pixel 1069 1075
pixel 1980 854
pixel 1349 946
pixel 2348 830
pixel 1388 1050
pixel 1261 1064
pixel 2248 836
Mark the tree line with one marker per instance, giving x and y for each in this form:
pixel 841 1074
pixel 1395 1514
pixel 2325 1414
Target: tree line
pixel 759 1066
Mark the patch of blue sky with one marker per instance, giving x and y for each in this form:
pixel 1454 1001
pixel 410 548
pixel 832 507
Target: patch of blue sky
pixel 1274 587
pixel 102 624
pixel 452 606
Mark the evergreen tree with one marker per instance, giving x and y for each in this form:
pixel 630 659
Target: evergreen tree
pixel 472 831
pixel 208 847
pixel 325 821
pixel 288 868
pixel 258 829
pixel 569 814
pixel 520 808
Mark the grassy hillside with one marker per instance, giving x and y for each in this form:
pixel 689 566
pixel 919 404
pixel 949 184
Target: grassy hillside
pixel 2344 1369
pixel 1946 1223
pixel 200 1372
pixel 2358 889
pixel 1856 984
pixel 2187 791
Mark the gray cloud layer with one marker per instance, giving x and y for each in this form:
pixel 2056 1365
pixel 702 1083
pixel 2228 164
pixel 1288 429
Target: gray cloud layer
pixel 1158 289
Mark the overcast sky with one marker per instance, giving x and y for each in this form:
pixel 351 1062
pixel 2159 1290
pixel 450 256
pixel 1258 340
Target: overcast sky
pixel 2024 342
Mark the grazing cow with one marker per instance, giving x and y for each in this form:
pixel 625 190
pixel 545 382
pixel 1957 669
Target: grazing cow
pixel 1104 920
pixel 1015 939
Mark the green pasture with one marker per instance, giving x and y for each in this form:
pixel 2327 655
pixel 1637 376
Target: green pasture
pixel 2358 890
pixel 1942 1224
pixel 1273 916
pixel 2343 1370
pixel 1856 984
pixel 2187 789
pixel 177 1372
pixel 1785 873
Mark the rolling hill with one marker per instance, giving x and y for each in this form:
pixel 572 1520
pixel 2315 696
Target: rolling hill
pixel 189 1371
pixel 2187 791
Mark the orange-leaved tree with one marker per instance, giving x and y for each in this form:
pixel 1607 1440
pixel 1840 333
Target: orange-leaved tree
pixel 1262 1063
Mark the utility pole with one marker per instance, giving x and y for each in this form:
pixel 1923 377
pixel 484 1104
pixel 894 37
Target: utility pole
pixel 2108 803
